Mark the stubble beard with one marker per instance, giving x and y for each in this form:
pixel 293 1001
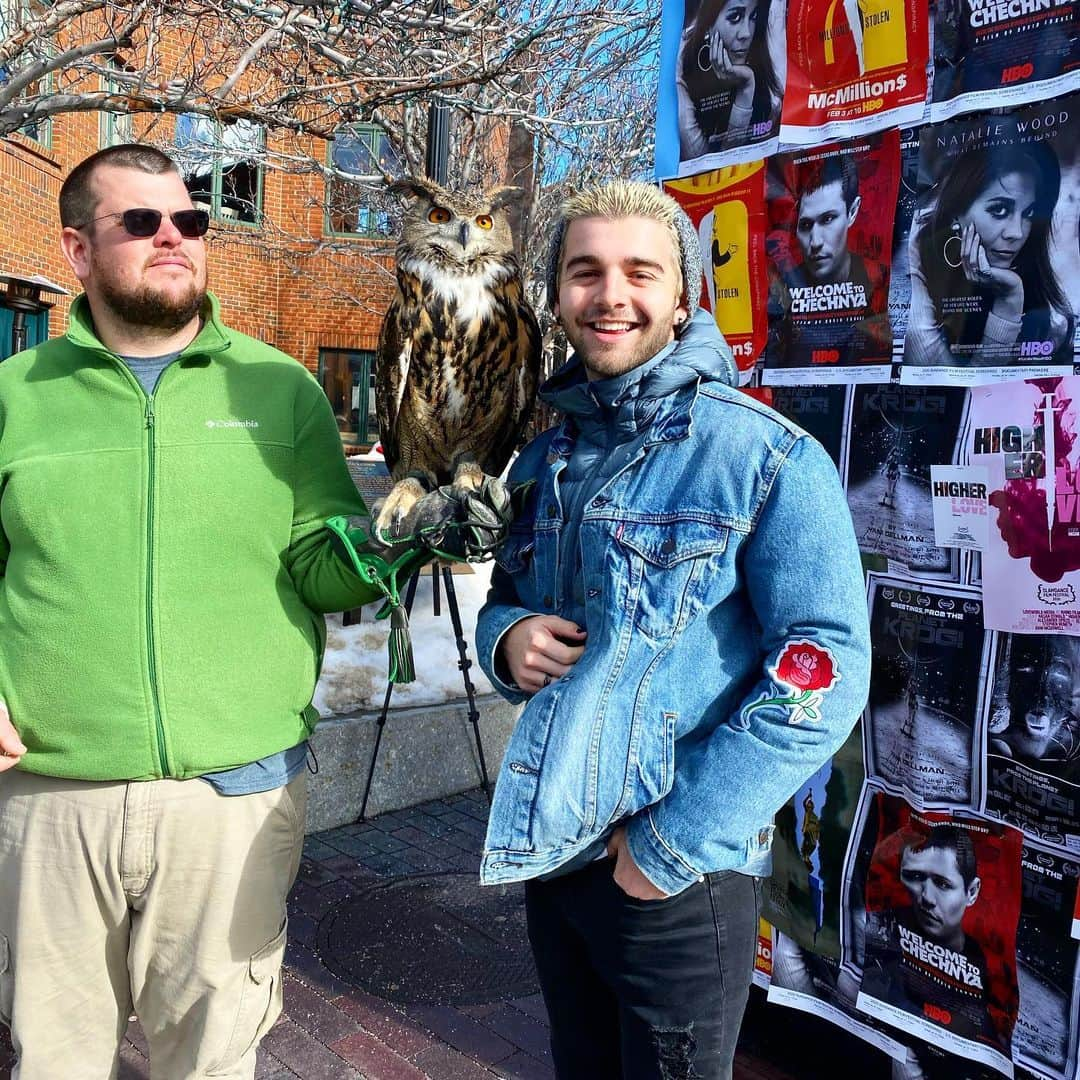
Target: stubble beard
pixel 606 363
pixel 146 306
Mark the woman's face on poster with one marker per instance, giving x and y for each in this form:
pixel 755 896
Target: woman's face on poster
pixel 735 25
pixel 1002 214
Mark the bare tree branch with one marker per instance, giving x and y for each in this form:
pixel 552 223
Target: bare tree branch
pixel 567 83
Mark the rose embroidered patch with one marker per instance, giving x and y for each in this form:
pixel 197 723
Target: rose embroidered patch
pixel 804 671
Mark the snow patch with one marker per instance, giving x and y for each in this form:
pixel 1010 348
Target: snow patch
pixel 355 665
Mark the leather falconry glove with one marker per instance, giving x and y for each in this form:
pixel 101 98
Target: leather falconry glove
pixel 446 524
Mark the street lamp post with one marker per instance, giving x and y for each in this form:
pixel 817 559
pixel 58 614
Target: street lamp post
pixel 438 133
pixel 22 297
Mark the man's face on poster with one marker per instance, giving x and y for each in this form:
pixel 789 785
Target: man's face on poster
pixel 822 231
pixel 938 894
pixel 1043 696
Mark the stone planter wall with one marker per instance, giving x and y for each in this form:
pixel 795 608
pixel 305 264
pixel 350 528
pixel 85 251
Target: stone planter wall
pixel 427 752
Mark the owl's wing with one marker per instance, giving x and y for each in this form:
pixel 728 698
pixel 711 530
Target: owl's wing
pixel 530 344
pixel 391 372
pixel 527 349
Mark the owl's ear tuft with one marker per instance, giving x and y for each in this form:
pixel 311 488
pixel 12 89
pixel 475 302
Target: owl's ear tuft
pixel 414 187
pixel 500 198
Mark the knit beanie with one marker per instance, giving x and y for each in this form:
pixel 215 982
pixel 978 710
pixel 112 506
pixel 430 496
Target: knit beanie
pixel 689 252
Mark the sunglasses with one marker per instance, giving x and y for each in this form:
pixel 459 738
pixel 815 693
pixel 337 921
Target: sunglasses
pixel 143 222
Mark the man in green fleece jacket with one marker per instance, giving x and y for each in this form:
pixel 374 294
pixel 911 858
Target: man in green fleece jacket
pixel 165 484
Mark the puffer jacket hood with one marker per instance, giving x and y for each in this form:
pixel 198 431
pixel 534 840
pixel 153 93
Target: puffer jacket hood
pixel 700 354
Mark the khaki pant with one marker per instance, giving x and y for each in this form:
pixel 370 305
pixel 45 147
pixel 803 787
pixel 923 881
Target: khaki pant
pixel 162 896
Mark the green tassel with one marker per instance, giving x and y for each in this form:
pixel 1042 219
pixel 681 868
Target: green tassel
pixel 402 666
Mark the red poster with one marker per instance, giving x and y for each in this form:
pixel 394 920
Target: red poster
pixel 727 206
pixel 943 896
pixel 854 66
pixel 829 245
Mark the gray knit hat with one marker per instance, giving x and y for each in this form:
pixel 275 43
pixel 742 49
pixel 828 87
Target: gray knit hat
pixel 689 250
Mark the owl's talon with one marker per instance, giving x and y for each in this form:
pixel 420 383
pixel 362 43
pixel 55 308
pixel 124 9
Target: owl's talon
pixel 395 509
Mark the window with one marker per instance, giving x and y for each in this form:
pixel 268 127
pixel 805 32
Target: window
pixel 359 158
pixel 116 128
pixel 13 15
pixel 348 378
pixel 222 165
pixel 37 330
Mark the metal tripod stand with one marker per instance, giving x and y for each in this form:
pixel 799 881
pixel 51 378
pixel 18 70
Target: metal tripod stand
pixel 464 663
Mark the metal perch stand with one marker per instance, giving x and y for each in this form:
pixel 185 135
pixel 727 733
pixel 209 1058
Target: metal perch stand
pixel 464 663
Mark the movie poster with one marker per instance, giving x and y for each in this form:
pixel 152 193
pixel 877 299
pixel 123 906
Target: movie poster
pixel 993 252
pixel 722 73
pixel 973 568
pixel 803 896
pixel 920 725
pixel 804 980
pixel 1046 1032
pixel 854 67
pixel 1002 53
pixel 942 897
pixel 897 433
pixel 1033 737
pixel 829 245
pixel 961 512
pixel 899 279
pixel 763 958
pixel 1025 433
pixel 819 410
pixel 727 206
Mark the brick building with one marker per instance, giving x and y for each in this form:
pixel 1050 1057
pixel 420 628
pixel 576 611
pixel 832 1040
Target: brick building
pixel 298 260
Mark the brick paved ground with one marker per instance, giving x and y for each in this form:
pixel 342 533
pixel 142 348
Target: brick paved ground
pixel 330 1030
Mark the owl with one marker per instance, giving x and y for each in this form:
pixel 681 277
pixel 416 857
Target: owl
pixel 459 351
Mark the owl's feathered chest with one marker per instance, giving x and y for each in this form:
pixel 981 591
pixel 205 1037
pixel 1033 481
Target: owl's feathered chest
pixel 454 294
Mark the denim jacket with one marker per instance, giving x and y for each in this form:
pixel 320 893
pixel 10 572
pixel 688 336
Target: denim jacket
pixel 727 655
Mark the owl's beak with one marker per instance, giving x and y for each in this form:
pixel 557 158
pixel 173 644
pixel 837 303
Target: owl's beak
pixel 463 234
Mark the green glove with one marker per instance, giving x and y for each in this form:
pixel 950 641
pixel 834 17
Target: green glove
pixel 380 565
pixel 460 527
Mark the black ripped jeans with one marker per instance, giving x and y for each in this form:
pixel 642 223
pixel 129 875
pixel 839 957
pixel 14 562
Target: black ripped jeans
pixel 643 989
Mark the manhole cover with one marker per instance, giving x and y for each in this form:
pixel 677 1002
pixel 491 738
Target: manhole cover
pixel 432 939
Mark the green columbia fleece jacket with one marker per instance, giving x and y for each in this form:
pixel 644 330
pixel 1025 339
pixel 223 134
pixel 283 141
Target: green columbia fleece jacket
pixel 164 561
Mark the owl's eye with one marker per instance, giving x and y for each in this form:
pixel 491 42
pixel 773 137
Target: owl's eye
pixel 439 214
pixel 484 221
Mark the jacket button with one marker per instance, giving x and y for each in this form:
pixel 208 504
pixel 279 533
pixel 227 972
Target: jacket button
pixel 593 594
pixel 599 501
pixel 668 546
pixel 552 510
pixel 548 601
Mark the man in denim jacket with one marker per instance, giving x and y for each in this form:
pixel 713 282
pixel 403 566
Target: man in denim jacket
pixel 680 604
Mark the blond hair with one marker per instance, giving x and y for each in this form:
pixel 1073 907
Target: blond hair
pixel 622 199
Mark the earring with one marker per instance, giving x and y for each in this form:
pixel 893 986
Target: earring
pixel 707 66
pixel 945 247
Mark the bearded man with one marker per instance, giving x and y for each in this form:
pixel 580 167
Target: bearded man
pixel 165 486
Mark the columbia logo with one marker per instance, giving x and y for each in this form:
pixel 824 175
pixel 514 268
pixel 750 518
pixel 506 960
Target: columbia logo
pixel 232 423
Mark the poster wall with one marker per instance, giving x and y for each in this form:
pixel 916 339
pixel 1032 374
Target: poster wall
pixel 924 893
